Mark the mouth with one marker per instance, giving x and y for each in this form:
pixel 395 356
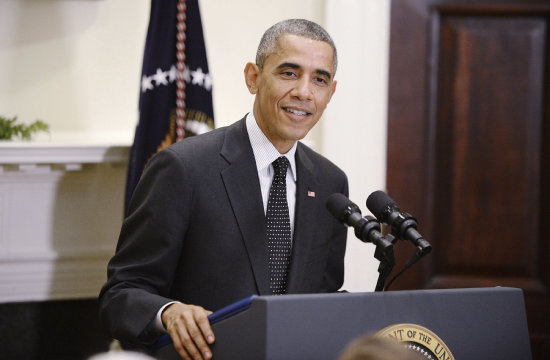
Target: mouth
pixel 296 111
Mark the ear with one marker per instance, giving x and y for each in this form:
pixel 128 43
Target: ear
pixel 333 89
pixel 251 72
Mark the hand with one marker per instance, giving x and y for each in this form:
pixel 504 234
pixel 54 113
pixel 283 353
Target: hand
pixel 189 329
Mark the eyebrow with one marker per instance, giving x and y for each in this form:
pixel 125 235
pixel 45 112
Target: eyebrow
pixel 286 65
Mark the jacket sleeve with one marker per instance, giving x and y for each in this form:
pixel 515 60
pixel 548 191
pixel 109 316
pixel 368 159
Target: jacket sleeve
pixel 140 274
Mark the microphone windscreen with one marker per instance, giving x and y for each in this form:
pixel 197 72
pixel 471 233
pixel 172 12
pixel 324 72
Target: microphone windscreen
pixel 377 202
pixel 337 204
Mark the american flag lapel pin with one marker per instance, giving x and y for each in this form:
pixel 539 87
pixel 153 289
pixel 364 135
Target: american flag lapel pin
pixel 311 193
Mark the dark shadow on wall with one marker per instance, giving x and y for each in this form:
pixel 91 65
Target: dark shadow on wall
pixel 61 330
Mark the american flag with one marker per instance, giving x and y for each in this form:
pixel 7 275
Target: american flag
pixel 158 127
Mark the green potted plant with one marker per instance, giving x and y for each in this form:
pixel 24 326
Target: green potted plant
pixel 10 129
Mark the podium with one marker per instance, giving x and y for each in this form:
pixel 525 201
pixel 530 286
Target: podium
pixel 480 323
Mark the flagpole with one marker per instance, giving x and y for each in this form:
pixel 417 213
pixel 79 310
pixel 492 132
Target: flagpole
pixel 180 66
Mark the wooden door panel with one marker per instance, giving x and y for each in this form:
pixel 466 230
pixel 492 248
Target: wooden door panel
pixel 487 147
pixel 469 145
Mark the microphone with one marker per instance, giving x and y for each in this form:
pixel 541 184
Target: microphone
pixel 403 225
pixel 367 229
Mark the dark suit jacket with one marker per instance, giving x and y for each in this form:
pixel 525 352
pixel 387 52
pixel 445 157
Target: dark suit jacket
pixel 196 232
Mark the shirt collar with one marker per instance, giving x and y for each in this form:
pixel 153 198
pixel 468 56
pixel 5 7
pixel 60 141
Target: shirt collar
pixel 264 151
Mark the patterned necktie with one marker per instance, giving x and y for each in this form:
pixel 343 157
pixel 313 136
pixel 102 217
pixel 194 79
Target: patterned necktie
pixel 278 229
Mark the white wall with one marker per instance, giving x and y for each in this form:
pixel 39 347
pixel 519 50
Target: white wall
pixel 354 128
pixel 76 65
pixel 233 30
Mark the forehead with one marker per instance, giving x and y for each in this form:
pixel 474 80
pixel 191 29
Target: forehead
pixel 303 52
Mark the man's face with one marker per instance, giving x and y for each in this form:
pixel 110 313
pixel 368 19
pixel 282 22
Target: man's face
pixel 292 90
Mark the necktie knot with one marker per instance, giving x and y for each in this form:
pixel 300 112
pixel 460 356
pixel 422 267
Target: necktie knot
pixel 280 165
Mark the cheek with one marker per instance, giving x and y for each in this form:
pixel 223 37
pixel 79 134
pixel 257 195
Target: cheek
pixel 279 91
pixel 323 100
pixel 270 100
pixel 313 123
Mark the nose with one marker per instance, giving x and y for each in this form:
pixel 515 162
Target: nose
pixel 302 90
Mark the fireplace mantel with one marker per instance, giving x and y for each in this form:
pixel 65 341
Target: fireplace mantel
pixel 61 153
pixel 61 207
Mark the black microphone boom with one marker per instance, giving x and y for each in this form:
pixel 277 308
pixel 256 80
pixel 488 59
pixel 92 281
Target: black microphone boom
pixel 367 229
pixel 403 225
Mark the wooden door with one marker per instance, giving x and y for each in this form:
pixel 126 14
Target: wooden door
pixel 469 145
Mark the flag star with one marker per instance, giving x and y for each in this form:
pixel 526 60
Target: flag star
pixel 160 77
pixel 186 74
pixel 173 74
pixel 208 82
pixel 146 83
pixel 198 77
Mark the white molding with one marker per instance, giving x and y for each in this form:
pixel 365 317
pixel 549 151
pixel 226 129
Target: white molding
pixel 61 207
pixel 49 255
pixel 46 280
pixel 44 153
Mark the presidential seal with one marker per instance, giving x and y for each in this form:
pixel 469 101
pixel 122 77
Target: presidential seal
pixel 418 339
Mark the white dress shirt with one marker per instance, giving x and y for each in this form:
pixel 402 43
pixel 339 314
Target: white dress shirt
pixel 265 153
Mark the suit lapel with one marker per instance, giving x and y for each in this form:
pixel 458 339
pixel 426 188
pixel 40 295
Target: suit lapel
pixel 307 206
pixel 241 182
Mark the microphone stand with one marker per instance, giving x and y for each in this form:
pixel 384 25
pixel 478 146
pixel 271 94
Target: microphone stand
pixel 421 251
pixel 384 254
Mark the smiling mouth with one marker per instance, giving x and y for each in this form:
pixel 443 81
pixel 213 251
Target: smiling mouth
pixel 296 112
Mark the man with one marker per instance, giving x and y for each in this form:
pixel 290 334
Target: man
pixel 199 229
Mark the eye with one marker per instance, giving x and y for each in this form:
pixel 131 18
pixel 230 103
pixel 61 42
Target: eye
pixel 321 80
pixel 289 73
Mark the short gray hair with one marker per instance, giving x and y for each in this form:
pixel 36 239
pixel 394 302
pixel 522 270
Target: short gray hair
pixel 300 27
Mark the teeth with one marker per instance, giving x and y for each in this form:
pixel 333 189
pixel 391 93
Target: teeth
pixel 297 112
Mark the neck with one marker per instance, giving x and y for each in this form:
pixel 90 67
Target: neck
pixel 283 146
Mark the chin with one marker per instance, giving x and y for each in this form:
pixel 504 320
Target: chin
pixel 297 133
pixel 298 137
